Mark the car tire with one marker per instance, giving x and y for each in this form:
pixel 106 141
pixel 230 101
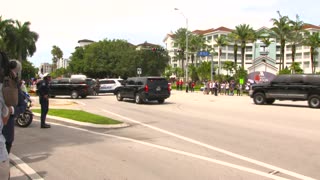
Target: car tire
pixel 138 99
pixel 74 95
pixel 270 101
pixel 118 96
pixel 161 101
pixel 314 101
pixel 259 98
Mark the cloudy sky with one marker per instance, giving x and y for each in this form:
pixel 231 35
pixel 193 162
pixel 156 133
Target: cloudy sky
pixel 64 22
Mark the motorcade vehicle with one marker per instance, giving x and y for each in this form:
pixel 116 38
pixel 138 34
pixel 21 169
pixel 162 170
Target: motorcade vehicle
pixel 109 85
pixel 144 89
pixel 294 87
pixel 67 86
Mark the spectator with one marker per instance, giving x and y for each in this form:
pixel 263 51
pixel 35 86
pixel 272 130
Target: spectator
pixel 8 129
pixel 4 116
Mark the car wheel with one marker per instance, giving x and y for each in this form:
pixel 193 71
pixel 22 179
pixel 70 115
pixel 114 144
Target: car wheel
pixel 314 101
pixel 259 98
pixel 161 101
pixel 270 101
pixel 138 99
pixel 119 97
pixel 74 95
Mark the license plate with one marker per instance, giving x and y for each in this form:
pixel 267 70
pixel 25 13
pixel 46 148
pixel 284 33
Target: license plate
pixel 158 88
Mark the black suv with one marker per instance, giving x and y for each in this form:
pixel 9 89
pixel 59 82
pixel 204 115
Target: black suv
pixel 296 87
pixel 143 89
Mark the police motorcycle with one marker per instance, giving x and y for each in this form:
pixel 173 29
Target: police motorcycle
pixel 25 118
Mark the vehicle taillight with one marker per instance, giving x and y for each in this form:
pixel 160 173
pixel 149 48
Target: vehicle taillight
pixel 146 88
pixel 169 87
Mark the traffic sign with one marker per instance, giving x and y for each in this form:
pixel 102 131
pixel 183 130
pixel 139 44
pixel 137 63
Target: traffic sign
pixel 139 71
pixel 203 53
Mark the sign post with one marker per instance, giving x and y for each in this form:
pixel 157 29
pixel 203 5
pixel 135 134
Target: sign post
pixel 139 71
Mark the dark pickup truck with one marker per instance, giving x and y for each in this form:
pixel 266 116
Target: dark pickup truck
pixel 73 87
pixel 294 87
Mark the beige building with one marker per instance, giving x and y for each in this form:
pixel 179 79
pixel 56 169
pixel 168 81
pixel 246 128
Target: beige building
pixel 253 61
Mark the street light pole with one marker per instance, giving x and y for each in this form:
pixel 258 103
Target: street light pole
pixel 186 51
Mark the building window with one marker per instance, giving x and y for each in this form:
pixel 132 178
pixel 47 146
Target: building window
pixel 230 56
pixel 215 36
pixel 288 56
pixel 288 48
pixel 230 48
pixel 306 55
pixel 299 56
pixel 278 57
pixel 248 57
pixel 223 56
pixel 298 47
pixel 248 48
pixel 306 64
pixel 278 48
pixel 209 38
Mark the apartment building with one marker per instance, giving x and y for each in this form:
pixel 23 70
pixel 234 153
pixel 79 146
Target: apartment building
pixel 258 57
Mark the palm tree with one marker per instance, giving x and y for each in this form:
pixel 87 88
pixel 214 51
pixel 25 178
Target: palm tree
pixel 313 41
pixel 233 38
pixel 295 35
pixel 229 67
pixel 57 54
pixel 180 39
pixel 20 40
pixel 281 29
pixel 221 42
pixel 4 24
pixel 245 33
pixel 197 43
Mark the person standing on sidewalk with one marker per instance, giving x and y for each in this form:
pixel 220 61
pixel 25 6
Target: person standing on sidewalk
pixel 8 129
pixel 4 116
pixel 44 99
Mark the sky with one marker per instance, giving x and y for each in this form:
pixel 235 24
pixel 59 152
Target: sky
pixel 64 22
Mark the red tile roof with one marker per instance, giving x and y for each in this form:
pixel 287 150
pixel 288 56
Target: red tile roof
pixel 211 30
pixel 223 29
pixel 310 26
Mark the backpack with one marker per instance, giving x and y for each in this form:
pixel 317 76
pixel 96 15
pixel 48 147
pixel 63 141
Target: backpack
pixel 10 91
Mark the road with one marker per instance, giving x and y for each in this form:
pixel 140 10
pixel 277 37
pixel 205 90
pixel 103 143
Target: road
pixel 190 136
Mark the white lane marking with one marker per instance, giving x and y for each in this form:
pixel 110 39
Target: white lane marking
pixel 25 168
pixel 293 174
pixel 242 168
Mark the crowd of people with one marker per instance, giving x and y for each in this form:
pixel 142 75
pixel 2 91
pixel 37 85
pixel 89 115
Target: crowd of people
pixel 215 87
pixel 12 104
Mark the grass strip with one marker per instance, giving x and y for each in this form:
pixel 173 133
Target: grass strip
pixel 79 115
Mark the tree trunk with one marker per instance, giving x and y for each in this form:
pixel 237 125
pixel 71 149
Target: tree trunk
pixel 312 65
pixel 293 51
pixel 283 45
pixel 235 53
pixel 242 56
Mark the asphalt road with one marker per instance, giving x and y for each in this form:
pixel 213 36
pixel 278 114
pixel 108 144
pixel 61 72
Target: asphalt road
pixel 190 136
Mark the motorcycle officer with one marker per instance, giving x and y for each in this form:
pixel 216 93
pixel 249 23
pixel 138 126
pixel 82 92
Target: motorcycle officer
pixel 44 99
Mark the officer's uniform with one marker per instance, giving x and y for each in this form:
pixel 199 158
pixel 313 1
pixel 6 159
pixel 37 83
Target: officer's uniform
pixel 44 100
